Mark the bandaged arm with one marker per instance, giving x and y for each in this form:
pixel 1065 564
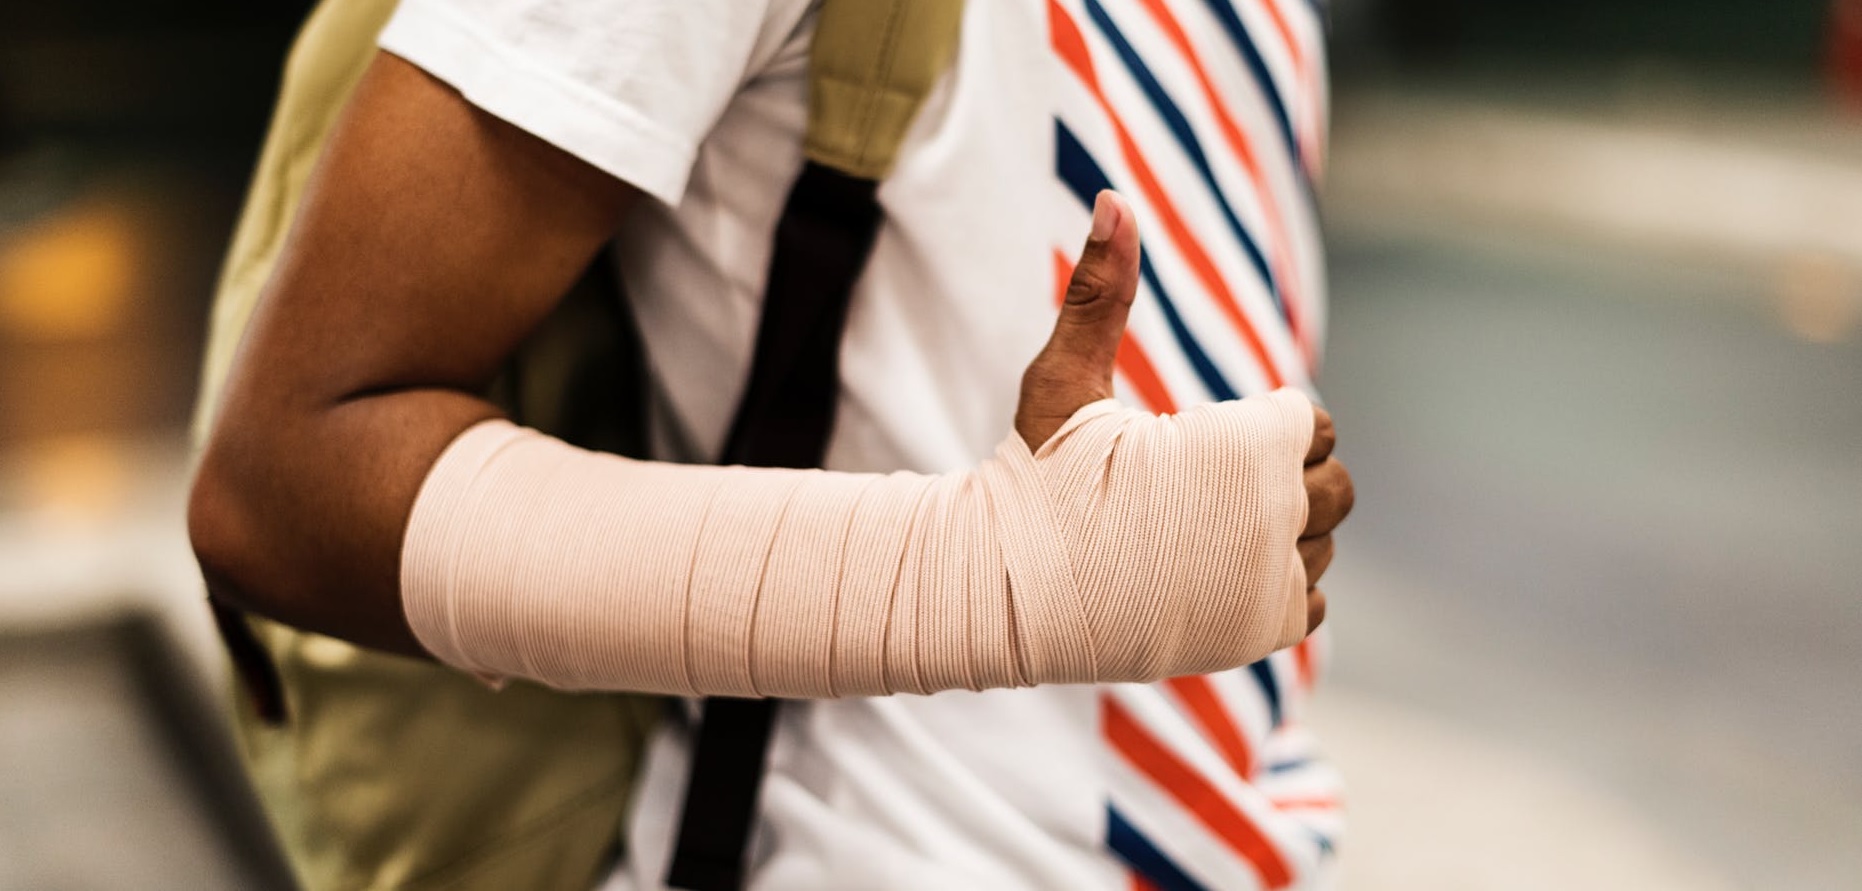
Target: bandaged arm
pixel 1129 547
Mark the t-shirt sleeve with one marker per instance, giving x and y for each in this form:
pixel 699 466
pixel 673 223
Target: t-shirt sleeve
pixel 630 86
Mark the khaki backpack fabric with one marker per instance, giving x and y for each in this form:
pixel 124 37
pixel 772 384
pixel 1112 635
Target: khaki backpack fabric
pixel 394 773
pixel 388 772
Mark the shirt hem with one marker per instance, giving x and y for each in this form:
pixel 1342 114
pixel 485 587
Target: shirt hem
pixel 506 82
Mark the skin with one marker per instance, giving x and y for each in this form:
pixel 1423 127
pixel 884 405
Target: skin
pixel 431 240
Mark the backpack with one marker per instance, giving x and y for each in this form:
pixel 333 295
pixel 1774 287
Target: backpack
pixel 384 772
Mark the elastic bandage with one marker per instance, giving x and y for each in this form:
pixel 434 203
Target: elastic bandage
pixel 1129 547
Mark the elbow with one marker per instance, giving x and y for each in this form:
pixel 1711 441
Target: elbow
pixel 222 533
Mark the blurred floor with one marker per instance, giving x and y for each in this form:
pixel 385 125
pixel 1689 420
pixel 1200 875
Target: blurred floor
pixel 1595 615
pixel 130 782
pixel 1438 804
pixel 1610 490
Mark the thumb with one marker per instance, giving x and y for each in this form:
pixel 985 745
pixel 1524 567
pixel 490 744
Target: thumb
pixel 1075 368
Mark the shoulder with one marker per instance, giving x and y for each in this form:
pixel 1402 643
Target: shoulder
pixel 630 87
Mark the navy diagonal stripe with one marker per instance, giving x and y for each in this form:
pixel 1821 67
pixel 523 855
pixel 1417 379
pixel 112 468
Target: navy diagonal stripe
pixel 1186 137
pixel 1085 179
pixel 1143 857
pixel 1323 841
pixel 1270 688
pixel 1231 22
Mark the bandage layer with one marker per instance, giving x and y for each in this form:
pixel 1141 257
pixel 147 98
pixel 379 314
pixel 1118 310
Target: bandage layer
pixel 1128 548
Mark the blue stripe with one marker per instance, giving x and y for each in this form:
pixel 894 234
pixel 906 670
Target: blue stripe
pixel 1085 179
pixel 1143 857
pixel 1186 137
pixel 1270 688
pixel 1225 13
pixel 1323 841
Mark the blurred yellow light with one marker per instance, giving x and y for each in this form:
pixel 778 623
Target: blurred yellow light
pixel 67 277
pixel 78 478
pixel 1818 297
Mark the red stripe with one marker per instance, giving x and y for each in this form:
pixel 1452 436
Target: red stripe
pixel 1138 371
pixel 1198 694
pixel 1191 790
pixel 1308 803
pixel 1286 36
pixel 1144 378
pixel 1284 270
pixel 1132 361
pixel 1063 276
pixel 1071 46
pixel 1140 883
pixel 1309 96
pixel 1302 657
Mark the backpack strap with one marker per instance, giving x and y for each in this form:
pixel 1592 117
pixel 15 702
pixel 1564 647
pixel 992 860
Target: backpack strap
pixel 870 67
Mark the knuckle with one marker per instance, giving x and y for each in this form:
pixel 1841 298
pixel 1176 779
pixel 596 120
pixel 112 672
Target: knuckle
pixel 1047 372
pixel 1088 286
pixel 1037 383
pixel 1323 438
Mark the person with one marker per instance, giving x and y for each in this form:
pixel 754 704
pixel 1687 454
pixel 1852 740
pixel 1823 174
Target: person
pixel 494 147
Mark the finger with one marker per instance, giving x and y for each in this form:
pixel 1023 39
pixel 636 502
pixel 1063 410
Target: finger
pixel 1315 609
pixel 1101 291
pixel 1316 554
pixel 1324 437
pixel 1329 497
pixel 1075 367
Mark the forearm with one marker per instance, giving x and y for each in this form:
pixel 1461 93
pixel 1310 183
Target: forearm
pixel 299 515
pixel 1128 548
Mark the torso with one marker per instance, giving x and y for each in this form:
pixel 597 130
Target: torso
pixel 1043 788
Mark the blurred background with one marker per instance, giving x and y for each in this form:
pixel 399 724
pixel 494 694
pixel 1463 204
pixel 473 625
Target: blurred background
pixel 1596 358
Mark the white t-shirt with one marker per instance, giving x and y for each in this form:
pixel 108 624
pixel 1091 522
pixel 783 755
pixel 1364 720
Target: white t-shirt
pixel 1208 115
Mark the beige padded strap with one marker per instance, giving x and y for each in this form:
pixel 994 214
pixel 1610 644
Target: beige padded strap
pixel 870 68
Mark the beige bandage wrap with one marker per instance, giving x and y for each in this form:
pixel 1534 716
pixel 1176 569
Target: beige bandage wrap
pixel 1128 548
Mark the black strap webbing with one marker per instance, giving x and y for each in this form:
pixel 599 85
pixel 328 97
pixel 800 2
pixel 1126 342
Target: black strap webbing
pixel 822 243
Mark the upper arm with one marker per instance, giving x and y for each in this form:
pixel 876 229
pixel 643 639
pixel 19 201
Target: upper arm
pixel 430 241
pixel 446 218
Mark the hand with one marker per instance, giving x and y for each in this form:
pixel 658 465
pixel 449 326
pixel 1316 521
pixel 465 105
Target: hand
pixel 1329 497
pixel 1075 369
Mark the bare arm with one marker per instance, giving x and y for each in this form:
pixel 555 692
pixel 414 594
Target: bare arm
pixel 431 240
